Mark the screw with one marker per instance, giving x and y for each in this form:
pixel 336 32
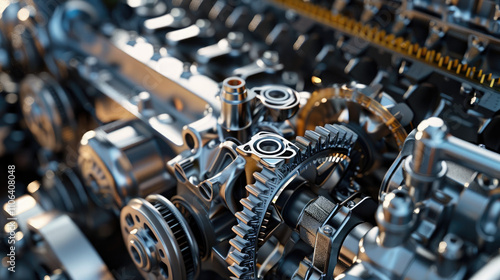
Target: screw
pixel 328 230
pixel 487 182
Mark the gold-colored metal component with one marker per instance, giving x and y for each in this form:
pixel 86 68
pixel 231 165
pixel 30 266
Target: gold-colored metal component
pixel 389 41
pixel 351 95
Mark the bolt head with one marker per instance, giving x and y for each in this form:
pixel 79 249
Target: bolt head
pixel 235 39
pixel 270 58
pixel 328 230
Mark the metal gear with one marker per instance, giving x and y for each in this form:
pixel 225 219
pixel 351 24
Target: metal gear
pixel 380 127
pixel 323 144
pixel 159 239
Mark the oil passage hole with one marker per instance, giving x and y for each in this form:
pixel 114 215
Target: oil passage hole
pixel 234 82
pixel 277 94
pixel 269 146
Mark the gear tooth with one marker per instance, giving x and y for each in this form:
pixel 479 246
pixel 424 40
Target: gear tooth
pixel 252 203
pixel 240 231
pixel 334 132
pixel 237 244
pixel 247 203
pixel 244 217
pixel 255 199
pixel 253 190
pixel 253 224
pixel 316 142
pixel 332 127
pixel 324 133
pixel 353 137
pixel 250 213
pixel 259 177
pixel 243 230
pixel 238 271
pixel 258 190
pixel 262 187
pixel 238 257
pixel 268 174
pixel 341 135
pixel 313 135
pixel 302 142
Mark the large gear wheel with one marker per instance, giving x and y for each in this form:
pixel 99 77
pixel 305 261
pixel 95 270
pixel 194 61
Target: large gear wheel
pixel 330 143
pixel 381 134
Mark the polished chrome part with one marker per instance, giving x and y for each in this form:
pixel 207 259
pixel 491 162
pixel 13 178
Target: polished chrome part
pixel 268 63
pixel 236 100
pixel 120 161
pixel 234 45
pixel 282 102
pixel 395 219
pixel 269 149
pixel 408 238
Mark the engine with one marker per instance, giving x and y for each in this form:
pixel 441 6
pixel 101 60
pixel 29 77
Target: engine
pixel 238 139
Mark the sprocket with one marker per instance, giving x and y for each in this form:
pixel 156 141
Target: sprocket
pixel 330 143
